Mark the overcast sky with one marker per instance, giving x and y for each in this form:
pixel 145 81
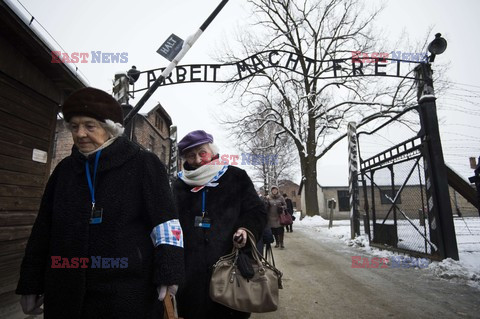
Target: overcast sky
pixel 140 27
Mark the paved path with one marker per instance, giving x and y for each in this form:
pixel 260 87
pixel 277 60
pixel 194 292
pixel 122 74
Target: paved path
pixel 320 283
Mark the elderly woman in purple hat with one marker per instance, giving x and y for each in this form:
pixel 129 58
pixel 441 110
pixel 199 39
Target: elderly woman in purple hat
pixel 107 242
pixel 215 202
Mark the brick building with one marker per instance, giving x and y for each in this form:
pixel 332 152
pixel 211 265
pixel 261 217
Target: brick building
pixel 409 201
pixel 291 189
pixel 151 131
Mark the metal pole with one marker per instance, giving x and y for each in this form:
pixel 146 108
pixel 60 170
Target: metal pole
pixel 440 210
pixel 330 223
pixel 394 195
pixel 186 46
pixel 173 169
pixel 353 180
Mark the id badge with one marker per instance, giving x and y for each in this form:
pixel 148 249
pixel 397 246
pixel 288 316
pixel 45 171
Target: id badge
pixel 96 216
pixel 203 222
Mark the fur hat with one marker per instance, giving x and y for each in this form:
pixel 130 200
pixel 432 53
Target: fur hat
pixel 193 139
pixel 93 103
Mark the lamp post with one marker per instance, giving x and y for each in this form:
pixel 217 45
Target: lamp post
pixel 439 207
pixel 120 92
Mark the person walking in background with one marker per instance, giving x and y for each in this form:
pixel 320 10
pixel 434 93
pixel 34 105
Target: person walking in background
pixel 267 237
pixel 276 205
pixel 289 203
pixel 107 242
pixel 216 203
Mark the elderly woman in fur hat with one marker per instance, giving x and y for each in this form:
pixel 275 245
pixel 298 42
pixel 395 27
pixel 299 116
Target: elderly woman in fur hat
pixel 107 242
pixel 215 202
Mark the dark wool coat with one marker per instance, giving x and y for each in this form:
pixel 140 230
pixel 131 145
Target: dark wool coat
pixel 289 203
pixel 133 190
pixel 232 204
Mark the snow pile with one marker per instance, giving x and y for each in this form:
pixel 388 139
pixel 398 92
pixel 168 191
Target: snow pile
pixel 453 269
pixel 466 270
pixel 359 241
pixel 310 221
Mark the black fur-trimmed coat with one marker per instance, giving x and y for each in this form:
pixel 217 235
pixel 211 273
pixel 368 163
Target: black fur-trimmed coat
pixel 132 188
pixel 232 204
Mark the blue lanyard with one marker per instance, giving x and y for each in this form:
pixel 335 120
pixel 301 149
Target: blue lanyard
pixel 91 185
pixel 203 203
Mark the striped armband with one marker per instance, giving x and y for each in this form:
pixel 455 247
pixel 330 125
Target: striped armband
pixel 168 233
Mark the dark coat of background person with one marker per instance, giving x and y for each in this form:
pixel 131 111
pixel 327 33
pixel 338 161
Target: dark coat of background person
pixel 132 189
pixel 232 204
pixel 289 203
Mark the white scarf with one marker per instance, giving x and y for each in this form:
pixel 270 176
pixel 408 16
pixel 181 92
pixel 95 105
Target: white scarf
pixel 107 143
pixel 205 175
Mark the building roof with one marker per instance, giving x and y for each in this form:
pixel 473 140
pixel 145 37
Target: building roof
pixel 159 108
pixel 301 187
pixel 15 28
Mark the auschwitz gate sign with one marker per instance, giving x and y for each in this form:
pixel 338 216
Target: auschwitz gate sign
pixel 280 59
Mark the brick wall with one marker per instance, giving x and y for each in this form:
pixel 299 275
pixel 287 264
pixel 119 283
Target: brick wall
pixel 291 189
pixel 155 140
pixel 62 145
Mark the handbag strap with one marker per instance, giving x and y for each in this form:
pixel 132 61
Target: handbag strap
pixel 170 306
pixel 259 258
pixel 269 252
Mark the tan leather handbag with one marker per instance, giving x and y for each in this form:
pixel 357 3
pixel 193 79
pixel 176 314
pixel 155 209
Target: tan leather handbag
pixel 258 294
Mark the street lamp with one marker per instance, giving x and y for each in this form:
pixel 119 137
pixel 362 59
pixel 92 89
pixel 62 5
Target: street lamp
pixel 423 71
pixel 133 75
pixel 437 46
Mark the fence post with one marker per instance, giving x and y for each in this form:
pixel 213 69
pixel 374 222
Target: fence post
pixel 476 178
pixel 438 198
pixel 332 203
pixel 353 180
pixel 173 169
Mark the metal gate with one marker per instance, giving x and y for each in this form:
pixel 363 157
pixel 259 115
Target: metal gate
pixel 397 197
pixel 393 194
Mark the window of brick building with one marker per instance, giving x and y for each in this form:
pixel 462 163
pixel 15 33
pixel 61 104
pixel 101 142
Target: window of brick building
pixel 151 143
pixel 159 122
pixel 164 154
pixel 343 201
pixel 293 193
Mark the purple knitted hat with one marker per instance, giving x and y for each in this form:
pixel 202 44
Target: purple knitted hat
pixel 193 139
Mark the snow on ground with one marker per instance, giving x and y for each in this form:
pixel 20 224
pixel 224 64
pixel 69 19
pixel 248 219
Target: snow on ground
pixel 466 270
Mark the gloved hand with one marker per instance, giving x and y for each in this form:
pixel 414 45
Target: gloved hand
pixel 162 291
pixel 31 304
pixel 240 238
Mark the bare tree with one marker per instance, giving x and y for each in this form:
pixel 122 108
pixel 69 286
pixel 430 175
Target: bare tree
pixel 313 112
pixel 271 161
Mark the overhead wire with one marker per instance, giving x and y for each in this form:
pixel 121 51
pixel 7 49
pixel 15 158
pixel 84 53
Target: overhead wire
pixel 33 19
